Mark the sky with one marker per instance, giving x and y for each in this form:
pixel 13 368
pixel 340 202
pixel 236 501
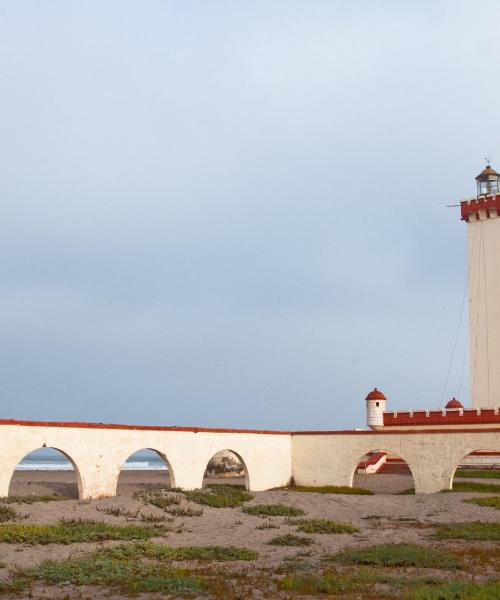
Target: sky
pixel 235 214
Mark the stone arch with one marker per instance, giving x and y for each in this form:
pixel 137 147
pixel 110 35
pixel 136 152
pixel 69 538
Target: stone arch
pixel 66 454
pixel 245 477
pixel 480 459
pixel 384 462
pixel 169 479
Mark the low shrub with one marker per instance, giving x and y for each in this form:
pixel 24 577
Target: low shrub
pixel 7 513
pixel 491 501
pixel 474 530
pixel 322 526
pixel 398 555
pixel 31 499
pixel 273 510
pixel 220 496
pixel 129 576
pixel 330 489
pixel 456 591
pixel 290 540
pixel 163 552
pixel 474 486
pixel 70 531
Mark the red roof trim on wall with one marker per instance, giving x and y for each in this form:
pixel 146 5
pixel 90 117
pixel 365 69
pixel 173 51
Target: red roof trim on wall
pixel 378 432
pixel 468 207
pixel 76 424
pixel 436 417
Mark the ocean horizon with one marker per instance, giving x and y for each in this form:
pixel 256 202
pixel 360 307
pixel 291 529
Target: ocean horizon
pixel 47 459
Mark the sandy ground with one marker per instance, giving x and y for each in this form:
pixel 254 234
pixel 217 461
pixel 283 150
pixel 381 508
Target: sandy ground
pixel 381 518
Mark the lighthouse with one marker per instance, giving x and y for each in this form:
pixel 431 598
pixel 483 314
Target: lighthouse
pixel 482 215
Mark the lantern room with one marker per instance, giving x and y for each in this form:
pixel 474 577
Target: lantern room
pixel 488 182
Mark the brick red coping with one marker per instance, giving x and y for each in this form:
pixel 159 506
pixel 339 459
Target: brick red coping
pixel 81 425
pixel 436 417
pixel 77 424
pixel 468 207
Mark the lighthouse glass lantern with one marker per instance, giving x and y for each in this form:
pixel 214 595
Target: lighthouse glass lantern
pixel 488 182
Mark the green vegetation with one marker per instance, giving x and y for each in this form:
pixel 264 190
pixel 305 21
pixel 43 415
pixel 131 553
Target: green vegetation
pixel 473 486
pixel 407 492
pixel 31 499
pixel 69 531
pixel 8 514
pixel 322 526
pixel 398 555
pixel 478 473
pixel 361 583
pixel 491 501
pixel 290 540
pixel 220 496
pixel 13 586
pixel 162 552
pixel 178 511
pixel 475 530
pixel 456 591
pixel 130 568
pixel 329 489
pixel 342 584
pixel 273 510
pixel 161 498
pixel 128 576
pixel 268 525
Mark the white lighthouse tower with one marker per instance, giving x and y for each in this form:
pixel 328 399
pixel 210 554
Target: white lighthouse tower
pixel 482 215
pixel 375 407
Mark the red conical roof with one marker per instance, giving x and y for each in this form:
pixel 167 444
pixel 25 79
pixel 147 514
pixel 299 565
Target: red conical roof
pixel 454 403
pixel 376 395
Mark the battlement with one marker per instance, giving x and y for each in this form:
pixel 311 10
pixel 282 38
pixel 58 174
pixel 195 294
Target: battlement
pixel 461 416
pixel 479 209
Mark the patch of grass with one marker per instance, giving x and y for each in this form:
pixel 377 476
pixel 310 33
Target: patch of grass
pixel 31 499
pixel 273 510
pixel 70 531
pixel 344 583
pixel 220 496
pixel 129 576
pixel 474 486
pixel 398 555
pixel 7 513
pixel 162 552
pixel 329 489
pixel 407 492
pixel 290 540
pixel 478 473
pixel 491 501
pixel 456 591
pixel 322 526
pixel 474 530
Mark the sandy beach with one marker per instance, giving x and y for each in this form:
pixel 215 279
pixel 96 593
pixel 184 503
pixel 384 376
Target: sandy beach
pixel 380 518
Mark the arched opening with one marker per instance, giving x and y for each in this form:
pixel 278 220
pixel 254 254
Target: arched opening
pixel 478 467
pixel 145 469
pixel 383 472
pixel 46 472
pixel 226 467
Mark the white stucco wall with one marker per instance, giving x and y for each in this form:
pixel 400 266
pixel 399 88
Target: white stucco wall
pixel 98 454
pixel 331 458
pixel 270 459
pixel 484 309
